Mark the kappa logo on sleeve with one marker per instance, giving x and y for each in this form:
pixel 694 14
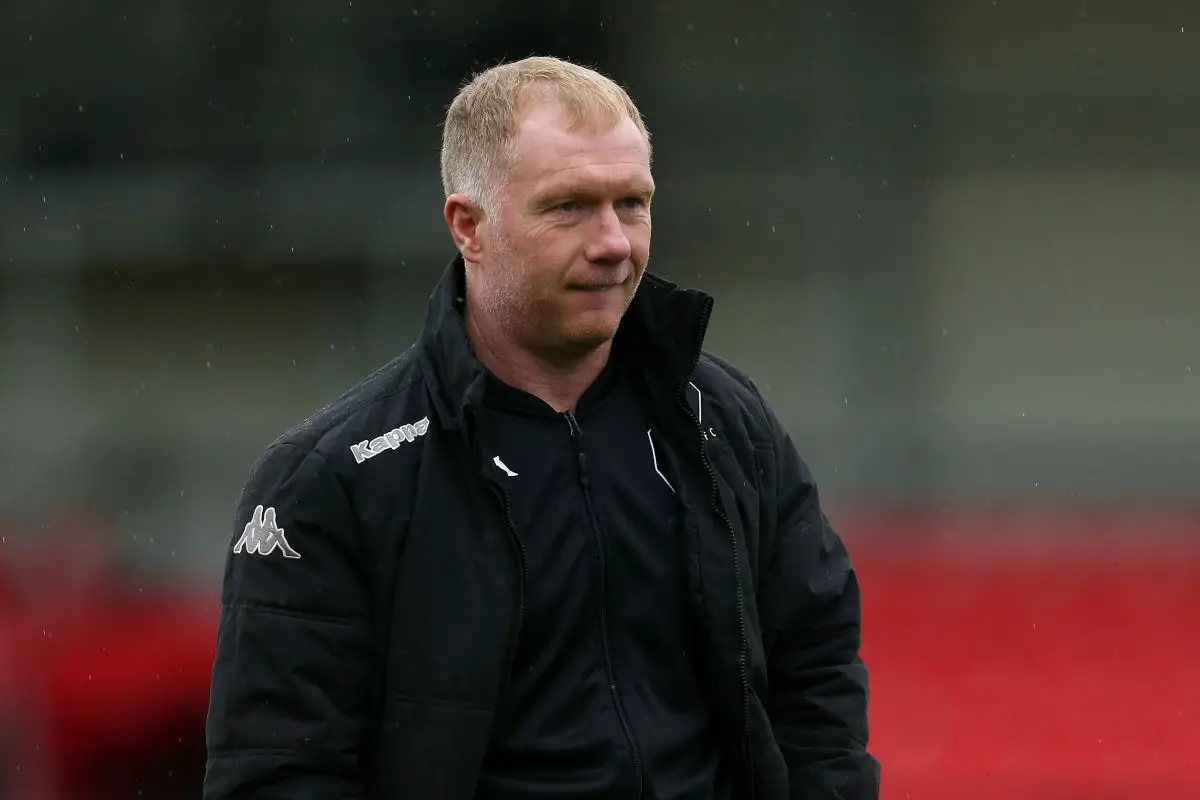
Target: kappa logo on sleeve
pixel 263 535
pixel 389 441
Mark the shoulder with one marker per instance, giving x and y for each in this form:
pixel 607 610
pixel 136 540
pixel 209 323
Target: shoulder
pixel 727 394
pixel 380 414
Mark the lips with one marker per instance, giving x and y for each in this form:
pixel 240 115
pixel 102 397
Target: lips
pixel 604 287
pixel 595 287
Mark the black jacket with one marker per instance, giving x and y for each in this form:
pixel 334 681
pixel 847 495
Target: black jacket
pixel 371 606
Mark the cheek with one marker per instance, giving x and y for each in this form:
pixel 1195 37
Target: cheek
pixel 530 286
pixel 639 240
pixel 544 271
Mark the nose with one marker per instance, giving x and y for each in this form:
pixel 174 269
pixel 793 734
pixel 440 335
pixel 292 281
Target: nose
pixel 608 242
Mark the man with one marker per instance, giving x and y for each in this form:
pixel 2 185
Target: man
pixel 554 550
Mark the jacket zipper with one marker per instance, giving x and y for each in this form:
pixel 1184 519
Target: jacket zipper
pixel 585 483
pixel 715 500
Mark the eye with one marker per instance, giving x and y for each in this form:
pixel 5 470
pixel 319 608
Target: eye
pixel 567 206
pixel 633 202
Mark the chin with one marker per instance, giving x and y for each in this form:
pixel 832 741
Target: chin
pixel 585 339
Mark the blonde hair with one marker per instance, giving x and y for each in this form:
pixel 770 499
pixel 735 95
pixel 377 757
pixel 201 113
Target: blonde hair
pixel 480 131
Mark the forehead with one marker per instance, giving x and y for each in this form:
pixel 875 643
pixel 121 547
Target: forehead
pixel 551 153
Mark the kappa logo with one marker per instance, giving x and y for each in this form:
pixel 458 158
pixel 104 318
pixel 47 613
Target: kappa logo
pixel 263 534
pixel 391 440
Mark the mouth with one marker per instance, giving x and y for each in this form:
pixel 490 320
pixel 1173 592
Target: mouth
pixel 595 287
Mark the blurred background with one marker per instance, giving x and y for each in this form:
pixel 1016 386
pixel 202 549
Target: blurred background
pixel 956 243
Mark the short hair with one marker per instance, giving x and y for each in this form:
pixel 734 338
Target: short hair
pixel 480 131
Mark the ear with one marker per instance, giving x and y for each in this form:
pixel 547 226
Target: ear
pixel 463 218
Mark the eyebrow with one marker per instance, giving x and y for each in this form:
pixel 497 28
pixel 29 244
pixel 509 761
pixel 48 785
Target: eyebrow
pixel 644 190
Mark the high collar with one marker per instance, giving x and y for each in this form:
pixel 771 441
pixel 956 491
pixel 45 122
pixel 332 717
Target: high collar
pixel 660 337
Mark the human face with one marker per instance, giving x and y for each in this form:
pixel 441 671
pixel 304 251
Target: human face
pixel 562 259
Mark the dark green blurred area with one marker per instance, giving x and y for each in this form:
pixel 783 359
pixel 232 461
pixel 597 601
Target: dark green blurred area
pixel 955 243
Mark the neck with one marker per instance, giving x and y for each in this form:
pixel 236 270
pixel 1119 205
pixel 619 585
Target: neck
pixel 558 382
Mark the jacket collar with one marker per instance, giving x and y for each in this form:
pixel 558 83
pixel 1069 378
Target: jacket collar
pixel 661 337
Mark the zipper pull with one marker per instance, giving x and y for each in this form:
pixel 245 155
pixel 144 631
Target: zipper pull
pixel 581 454
pixel 573 425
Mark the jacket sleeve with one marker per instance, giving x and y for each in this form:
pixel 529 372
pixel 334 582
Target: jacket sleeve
pixel 818 682
pixel 290 684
